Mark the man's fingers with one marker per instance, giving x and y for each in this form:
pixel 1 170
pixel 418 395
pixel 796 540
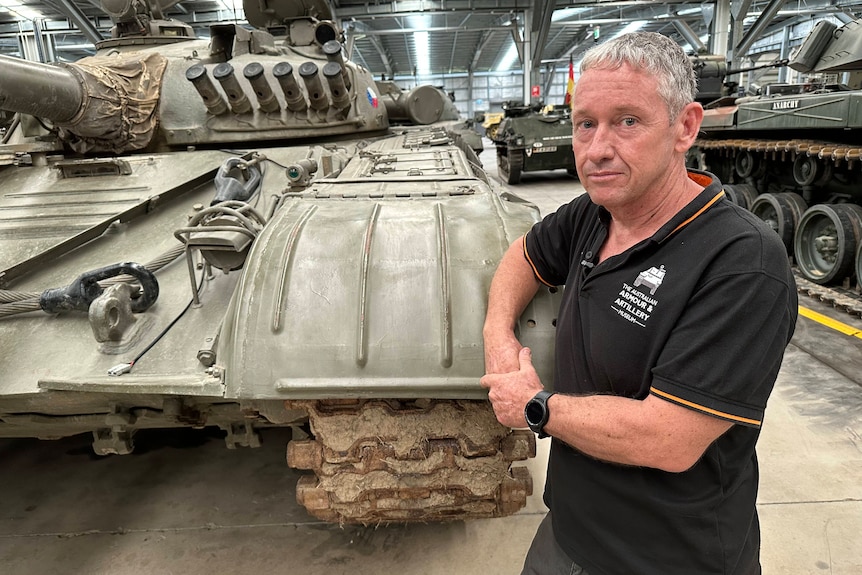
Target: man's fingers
pixel 525 356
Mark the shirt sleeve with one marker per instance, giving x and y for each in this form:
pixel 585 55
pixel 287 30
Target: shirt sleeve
pixel 549 245
pixel 723 356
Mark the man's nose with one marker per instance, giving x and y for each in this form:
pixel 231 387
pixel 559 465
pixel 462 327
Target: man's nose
pixel 600 146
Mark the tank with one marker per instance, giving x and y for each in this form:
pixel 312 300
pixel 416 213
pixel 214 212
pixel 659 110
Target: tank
pixel 234 233
pixel 791 155
pixel 530 138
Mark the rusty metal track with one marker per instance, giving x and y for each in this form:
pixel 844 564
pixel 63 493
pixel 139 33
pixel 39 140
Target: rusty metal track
pixel 845 299
pixel 390 461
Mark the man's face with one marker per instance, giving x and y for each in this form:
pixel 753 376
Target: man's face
pixel 622 137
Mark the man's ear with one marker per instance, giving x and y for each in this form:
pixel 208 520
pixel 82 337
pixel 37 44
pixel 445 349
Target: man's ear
pixel 689 121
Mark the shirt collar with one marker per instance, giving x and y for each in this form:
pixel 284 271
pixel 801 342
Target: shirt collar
pixel 712 193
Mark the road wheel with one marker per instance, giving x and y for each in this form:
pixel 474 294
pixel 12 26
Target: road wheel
pixel 826 242
pixel 742 195
pixel 782 212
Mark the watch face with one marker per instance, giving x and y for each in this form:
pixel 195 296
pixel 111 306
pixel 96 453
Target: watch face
pixel 534 412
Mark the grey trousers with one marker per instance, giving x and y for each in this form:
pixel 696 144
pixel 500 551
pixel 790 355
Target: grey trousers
pixel 545 557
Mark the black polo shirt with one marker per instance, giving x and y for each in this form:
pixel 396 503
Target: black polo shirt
pixel 699 315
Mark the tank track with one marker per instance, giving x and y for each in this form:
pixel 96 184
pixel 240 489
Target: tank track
pixel 844 299
pixel 390 461
pixel 823 150
pixel 510 165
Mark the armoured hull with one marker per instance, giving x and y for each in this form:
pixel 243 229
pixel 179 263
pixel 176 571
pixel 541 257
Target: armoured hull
pixel 528 140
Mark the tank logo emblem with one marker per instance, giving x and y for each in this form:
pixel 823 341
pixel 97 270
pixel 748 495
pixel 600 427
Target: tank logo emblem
pixel 372 97
pixel 785 105
pixel 632 302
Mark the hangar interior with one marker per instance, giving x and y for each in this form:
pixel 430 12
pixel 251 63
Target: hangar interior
pixel 187 495
pixel 483 52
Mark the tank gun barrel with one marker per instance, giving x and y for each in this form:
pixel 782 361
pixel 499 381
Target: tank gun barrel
pixel 776 64
pixel 104 104
pixel 47 91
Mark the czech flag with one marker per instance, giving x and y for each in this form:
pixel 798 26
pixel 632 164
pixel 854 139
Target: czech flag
pixel 570 87
pixel 372 97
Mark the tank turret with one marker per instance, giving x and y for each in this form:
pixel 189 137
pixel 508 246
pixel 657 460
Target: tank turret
pixel 421 105
pixel 247 232
pixel 174 90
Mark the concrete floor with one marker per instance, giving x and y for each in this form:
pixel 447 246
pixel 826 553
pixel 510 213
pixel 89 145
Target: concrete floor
pixel 182 503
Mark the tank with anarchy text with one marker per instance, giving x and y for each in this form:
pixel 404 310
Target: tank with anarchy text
pixel 235 233
pixel 533 138
pixel 792 154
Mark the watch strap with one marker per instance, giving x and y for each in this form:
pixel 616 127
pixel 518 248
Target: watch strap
pixel 540 401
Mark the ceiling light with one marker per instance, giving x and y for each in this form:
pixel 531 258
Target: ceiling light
pixel 509 59
pixel 631 27
pixel 566 13
pixel 420 44
pixel 17 8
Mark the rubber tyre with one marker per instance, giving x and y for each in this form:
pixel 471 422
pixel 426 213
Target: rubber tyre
pixel 782 212
pixel 826 242
pixel 742 195
pixel 745 164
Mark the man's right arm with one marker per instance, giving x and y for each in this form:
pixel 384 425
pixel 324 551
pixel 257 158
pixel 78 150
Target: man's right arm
pixel 512 288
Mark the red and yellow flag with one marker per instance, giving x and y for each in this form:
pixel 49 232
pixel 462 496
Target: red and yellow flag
pixel 570 87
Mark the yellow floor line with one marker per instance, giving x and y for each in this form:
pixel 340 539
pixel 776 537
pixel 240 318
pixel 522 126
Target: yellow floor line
pixel 829 322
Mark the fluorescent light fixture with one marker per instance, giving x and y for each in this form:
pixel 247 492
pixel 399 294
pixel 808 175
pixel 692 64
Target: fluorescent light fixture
pixel 631 27
pixel 420 44
pixel 20 10
pixel 509 59
pixel 566 13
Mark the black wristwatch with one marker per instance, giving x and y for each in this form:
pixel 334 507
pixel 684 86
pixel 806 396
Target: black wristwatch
pixel 536 413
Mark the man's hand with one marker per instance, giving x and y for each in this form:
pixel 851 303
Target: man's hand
pixel 510 392
pixel 501 352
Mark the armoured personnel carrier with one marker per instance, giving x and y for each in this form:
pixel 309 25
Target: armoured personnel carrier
pixel 529 139
pixel 791 155
pixel 229 232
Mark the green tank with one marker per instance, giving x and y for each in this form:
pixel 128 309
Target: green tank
pixel 233 233
pixel 530 139
pixel 791 155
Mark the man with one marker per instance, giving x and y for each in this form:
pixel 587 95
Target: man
pixel 677 310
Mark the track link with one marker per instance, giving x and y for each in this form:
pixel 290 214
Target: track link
pixel 822 150
pixel 840 298
pixel 388 461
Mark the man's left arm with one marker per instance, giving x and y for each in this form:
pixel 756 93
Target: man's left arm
pixel 650 433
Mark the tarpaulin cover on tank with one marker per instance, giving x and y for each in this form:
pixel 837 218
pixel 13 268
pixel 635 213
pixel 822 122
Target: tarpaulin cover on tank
pixel 120 109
